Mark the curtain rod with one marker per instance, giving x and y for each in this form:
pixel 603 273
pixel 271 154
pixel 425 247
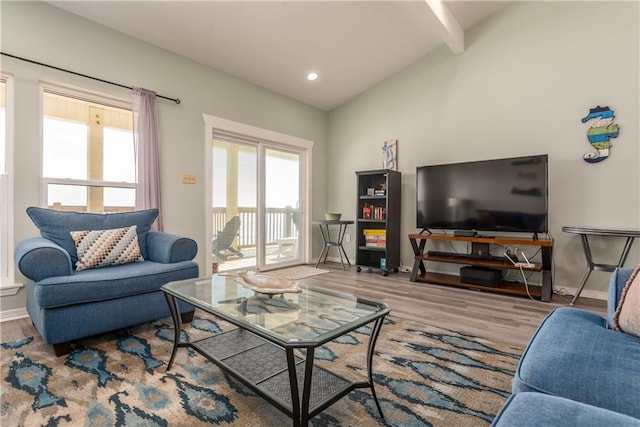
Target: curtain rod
pixel 176 100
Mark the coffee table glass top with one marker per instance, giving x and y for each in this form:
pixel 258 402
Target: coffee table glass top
pixel 313 316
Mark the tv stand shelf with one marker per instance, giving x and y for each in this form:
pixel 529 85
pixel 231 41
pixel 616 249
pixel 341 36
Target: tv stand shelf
pixel 420 274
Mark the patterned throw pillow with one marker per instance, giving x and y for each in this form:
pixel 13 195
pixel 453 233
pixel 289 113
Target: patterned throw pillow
pixel 102 248
pixel 627 315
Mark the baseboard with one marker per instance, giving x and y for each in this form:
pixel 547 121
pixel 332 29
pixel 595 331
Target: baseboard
pixel 586 293
pixel 18 313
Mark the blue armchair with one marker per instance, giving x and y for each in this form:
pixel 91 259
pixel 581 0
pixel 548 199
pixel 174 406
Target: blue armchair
pixel 67 303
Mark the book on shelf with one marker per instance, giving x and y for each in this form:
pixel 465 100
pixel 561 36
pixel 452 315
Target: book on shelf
pixel 375 238
pixel 380 213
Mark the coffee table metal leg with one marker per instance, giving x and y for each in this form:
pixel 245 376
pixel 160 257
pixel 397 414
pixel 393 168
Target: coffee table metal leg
pixel 306 390
pixel 375 332
pixel 293 383
pixel 173 308
pixel 300 409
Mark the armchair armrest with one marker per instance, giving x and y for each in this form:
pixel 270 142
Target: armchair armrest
pixel 169 248
pixel 618 279
pixel 38 258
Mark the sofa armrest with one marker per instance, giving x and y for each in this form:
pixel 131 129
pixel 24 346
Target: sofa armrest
pixel 169 248
pixel 38 258
pixel 618 279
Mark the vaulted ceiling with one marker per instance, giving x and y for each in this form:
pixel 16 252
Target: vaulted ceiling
pixel 351 45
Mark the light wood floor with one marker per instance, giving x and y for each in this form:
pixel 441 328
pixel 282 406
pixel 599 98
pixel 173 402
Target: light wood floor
pixel 507 319
pixel 502 318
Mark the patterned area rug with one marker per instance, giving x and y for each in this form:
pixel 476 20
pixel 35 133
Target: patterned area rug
pixel 299 272
pixel 424 376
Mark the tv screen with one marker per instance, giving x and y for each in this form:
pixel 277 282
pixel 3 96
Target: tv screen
pixel 491 195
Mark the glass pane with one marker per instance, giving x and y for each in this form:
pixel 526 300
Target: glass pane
pixel 234 189
pixel 282 193
pixel 119 156
pixel 119 199
pixel 67 197
pixel 64 149
pixel 74 198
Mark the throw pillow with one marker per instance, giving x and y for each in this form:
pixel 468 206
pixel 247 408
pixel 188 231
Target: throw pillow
pixel 56 225
pixel 102 248
pixel 627 315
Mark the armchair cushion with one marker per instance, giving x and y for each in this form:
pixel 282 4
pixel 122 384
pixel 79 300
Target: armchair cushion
pixel 57 226
pixel 102 248
pixel 108 283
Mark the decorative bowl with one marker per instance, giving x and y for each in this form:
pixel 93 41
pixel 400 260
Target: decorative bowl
pixel 332 216
pixel 268 285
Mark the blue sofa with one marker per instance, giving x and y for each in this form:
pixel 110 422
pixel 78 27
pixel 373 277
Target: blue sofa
pixel 66 304
pixel 577 371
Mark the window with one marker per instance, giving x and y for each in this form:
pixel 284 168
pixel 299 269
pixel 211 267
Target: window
pixel 88 153
pixel 6 200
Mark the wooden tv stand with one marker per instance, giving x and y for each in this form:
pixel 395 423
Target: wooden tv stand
pixel 420 274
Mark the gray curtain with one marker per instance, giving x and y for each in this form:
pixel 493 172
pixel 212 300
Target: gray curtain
pixel 145 126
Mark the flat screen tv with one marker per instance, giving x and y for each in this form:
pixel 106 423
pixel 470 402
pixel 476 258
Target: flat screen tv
pixel 492 195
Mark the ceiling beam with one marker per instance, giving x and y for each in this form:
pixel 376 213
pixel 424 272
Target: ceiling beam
pixel 452 33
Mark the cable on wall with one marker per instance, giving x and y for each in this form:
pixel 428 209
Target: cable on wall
pixel 176 100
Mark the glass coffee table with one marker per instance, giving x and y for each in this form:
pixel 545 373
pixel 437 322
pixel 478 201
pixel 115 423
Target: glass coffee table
pixel 272 349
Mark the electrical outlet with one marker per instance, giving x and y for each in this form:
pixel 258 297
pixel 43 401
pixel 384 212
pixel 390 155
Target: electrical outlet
pixel 188 178
pixel 347 237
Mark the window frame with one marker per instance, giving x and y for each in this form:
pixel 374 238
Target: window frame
pixel 90 97
pixel 8 286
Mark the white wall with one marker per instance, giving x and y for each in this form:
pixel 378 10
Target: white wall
pixel 40 32
pixel 527 77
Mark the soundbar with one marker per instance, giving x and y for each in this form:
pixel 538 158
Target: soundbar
pixel 465 233
pixel 459 255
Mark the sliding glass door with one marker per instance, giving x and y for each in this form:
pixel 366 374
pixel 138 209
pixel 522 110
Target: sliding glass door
pixel 234 204
pixel 281 206
pixel 256 204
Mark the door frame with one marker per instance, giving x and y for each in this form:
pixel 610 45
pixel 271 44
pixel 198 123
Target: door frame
pixel 276 139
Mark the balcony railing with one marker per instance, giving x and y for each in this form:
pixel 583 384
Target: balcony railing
pixel 280 223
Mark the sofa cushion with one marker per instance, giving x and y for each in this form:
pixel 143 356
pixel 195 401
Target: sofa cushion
pixel 574 355
pixel 110 282
pixel 627 315
pixel 102 248
pixel 56 225
pixel 537 410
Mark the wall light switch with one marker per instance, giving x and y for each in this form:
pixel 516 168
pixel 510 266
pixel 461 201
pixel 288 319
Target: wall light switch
pixel 188 178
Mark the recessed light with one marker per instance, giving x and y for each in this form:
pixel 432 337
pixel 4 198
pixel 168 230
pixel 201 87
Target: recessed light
pixel 312 76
